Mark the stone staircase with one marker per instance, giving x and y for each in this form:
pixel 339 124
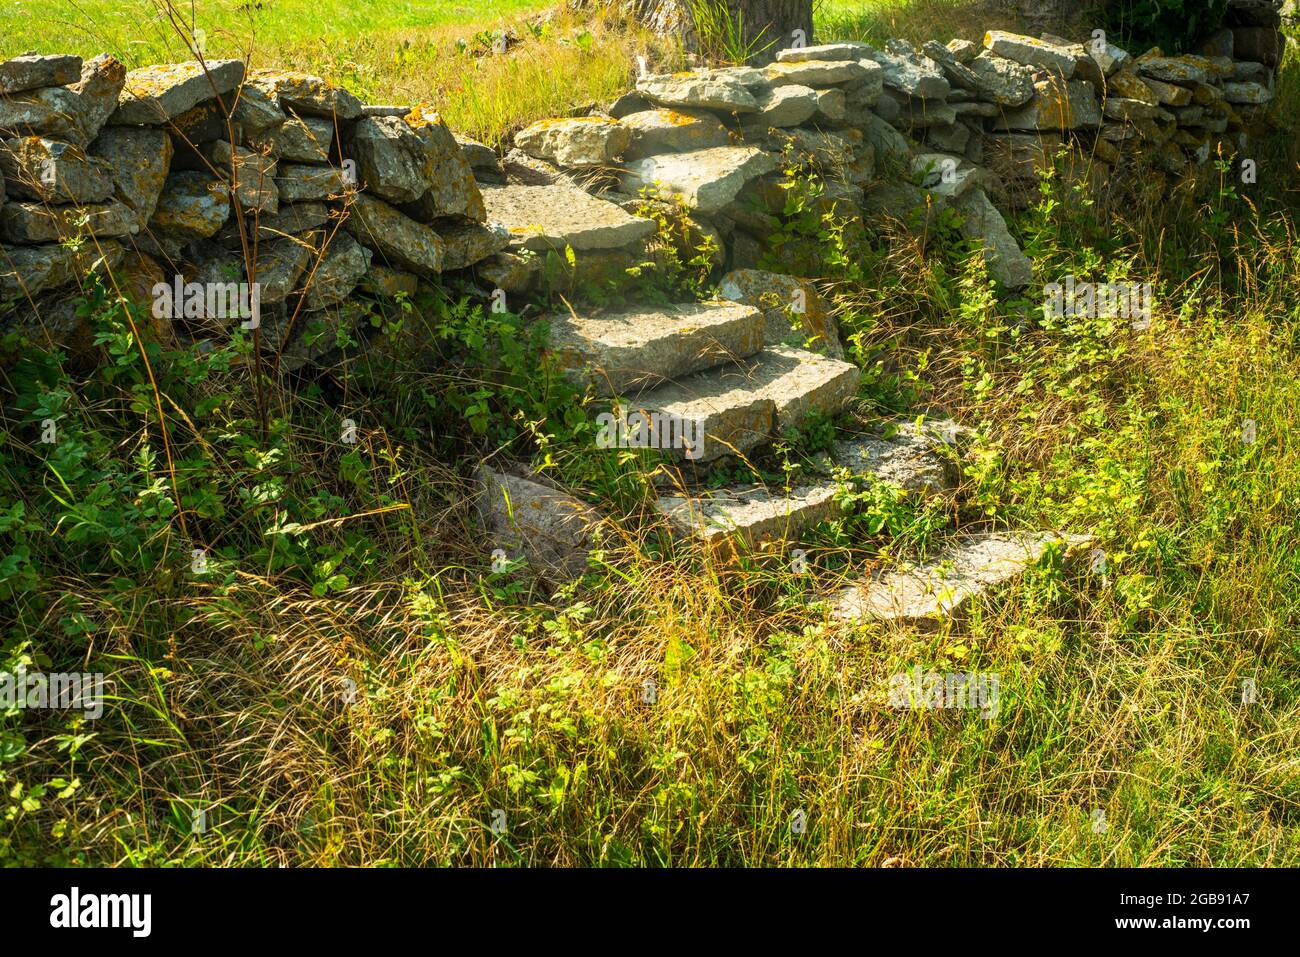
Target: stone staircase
pixel 719 367
pixel 708 364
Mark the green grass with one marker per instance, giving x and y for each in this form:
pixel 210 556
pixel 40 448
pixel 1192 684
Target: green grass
pixel 139 32
pixel 478 692
pixel 421 52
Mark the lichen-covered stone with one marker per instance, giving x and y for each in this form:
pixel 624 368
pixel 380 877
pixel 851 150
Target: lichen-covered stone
pixel 280 264
pixel 381 280
pixel 550 531
pixel 452 190
pixel 672 131
pixel 1003 81
pixel 787 105
pixel 303 183
pixel 53 171
pixel 138 161
pixel 468 243
pixel 981 221
pixel 910 73
pixel 792 308
pixel 703 89
pixel 155 94
pixel 392 160
pixel 818 73
pixel 335 272
pixel 559 216
pixel 54 111
pixel 398 239
pixel 33 223
pixel 1055 106
pixel 1031 52
pixel 576 141
pixel 192 205
pixel 305 94
pixel 706 180
pixel 27 271
pixel 33 71
pixel 98 91
pixel 251 175
pixel 300 139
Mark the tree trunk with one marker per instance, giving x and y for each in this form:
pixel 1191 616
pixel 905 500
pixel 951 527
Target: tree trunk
pixel 752 30
pixel 770 25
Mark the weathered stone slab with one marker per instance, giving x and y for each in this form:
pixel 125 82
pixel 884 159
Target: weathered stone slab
pixel 32 223
pixel 739 406
pixel 336 272
pixel 910 73
pixel 381 280
pixel 706 180
pixel 622 352
pixel 53 171
pixel 982 221
pixel 901 452
pixel 98 93
pixel 1184 69
pixel 27 271
pixel 305 139
pixel 452 190
pixel 138 160
pixel 1055 106
pixel 933 591
pixel 468 243
pixel 155 94
pixel 849 50
pixel 754 514
pixel 54 111
pixel 550 530
pixel 280 264
pixel 1005 82
pixel 787 105
pixel 1129 86
pixel 305 94
pixel 251 175
pixel 32 71
pixel 303 183
pixel 552 217
pixel 1031 52
pixel 392 160
pixel 819 73
pixel 577 141
pixel 1252 93
pixel 672 131
pixel 784 301
pixel 702 89
pixel 399 239
pixel 192 205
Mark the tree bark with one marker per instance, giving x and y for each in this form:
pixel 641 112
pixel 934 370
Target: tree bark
pixel 765 26
pixel 770 25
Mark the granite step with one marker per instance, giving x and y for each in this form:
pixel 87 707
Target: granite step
pixel 623 352
pixel 739 406
pixel 753 514
pixel 903 452
pixel 973 565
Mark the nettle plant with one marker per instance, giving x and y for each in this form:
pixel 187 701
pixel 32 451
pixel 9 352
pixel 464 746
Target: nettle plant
pixel 812 238
pixel 680 256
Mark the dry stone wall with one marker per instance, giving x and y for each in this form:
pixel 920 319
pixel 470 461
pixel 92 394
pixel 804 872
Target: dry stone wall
pixel 297 203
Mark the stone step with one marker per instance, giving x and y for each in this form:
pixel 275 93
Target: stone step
pixel 971 566
pixel 622 352
pixel 901 451
pixel 739 406
pixel 754 514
